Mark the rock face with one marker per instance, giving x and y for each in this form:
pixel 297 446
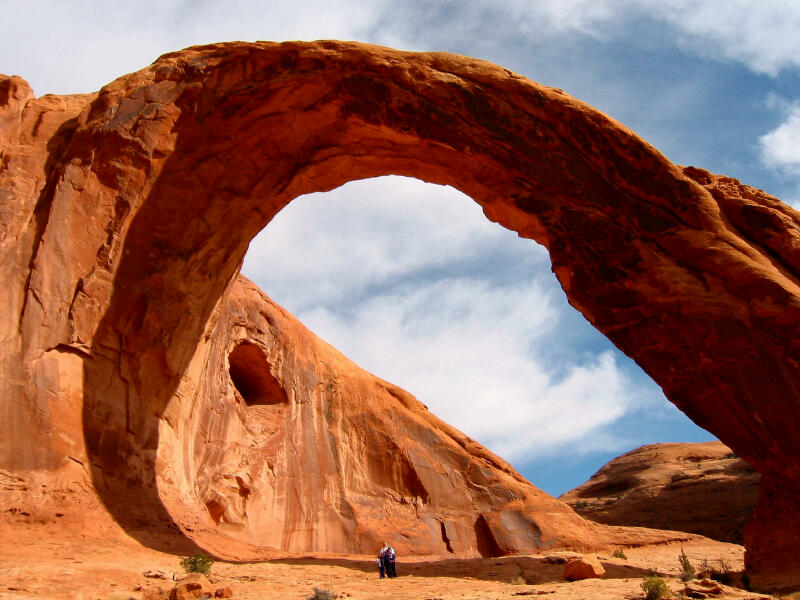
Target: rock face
pixel 698 488
pixel 295 447
pixel 125 216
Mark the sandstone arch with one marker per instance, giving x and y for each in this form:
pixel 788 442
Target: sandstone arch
pixel 177 166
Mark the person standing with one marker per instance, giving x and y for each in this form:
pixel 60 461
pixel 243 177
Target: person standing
pixel 381 564
pixel 390 560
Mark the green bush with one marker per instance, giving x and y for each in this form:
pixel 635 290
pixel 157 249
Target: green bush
pixel 655 588
pixel 687 570
pixel 199 563
pixel 619 553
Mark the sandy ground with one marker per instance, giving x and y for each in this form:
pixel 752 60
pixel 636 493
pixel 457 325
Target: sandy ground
pixel 48 560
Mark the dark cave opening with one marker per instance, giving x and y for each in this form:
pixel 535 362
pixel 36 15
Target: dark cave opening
pixel 252 377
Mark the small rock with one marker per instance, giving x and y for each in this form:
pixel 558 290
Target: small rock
pixel 223 592
pixel 703 588
pixel 155 574
pixel 585 567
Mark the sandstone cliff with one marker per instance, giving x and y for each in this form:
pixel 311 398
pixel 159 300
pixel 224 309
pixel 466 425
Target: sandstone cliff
pixel 124 217
pixel 699 488
pixel 292 446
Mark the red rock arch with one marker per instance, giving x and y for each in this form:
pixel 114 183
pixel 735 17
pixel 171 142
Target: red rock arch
pixel 693 276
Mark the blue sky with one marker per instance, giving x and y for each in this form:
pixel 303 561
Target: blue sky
pixel 409 279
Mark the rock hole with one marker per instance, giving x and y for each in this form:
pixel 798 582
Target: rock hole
pixel 244 489
pixel 251 376
pixel 216 510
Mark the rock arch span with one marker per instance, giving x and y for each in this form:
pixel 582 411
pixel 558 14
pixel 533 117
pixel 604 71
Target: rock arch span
pixel 136 206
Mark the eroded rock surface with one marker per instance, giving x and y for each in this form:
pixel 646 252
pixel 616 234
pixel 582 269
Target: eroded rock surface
pixel 295 447
pixel 125 216
pixel 699 488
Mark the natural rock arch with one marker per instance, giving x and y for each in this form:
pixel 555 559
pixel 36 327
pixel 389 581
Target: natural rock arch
pixel 692 275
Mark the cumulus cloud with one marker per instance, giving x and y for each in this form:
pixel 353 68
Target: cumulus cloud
pixel 373 232
pixel 411 282
pixel 74 47
pixel 69 47
pixel 761 35
pixel 471 352
pixel 780 148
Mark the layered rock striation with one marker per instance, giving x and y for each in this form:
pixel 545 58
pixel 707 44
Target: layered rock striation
pixel 125 215
pixel 695 487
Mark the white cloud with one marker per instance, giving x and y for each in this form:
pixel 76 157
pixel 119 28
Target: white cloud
pixel 372 232
pixel 473 353
pixel 780 148
pixel 389 271
pixel 761 35
pixel 69 47
pixel 74 47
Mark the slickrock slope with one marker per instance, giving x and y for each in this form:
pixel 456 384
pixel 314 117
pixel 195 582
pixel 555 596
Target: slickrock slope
pixel 295 447
pixel 124 217
pixel 698 488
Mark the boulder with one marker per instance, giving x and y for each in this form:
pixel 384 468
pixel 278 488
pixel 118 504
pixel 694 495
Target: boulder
pixel 583 567
pixel 191 587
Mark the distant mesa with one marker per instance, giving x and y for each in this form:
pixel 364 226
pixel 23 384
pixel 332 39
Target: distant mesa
pixel 699 488
pixel 128 345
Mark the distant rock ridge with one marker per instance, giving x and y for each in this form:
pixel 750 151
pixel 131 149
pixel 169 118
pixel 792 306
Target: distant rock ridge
pixel 699 488
pixel 125 216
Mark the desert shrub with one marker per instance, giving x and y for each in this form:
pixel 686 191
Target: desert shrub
pixel 322 594
pixel 654 588
pixel 723 574
pixel 619 553
pixel 518 580
pixel 198 563
pixel 687 570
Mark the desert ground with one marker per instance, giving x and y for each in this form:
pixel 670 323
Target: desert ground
pixel 51 560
